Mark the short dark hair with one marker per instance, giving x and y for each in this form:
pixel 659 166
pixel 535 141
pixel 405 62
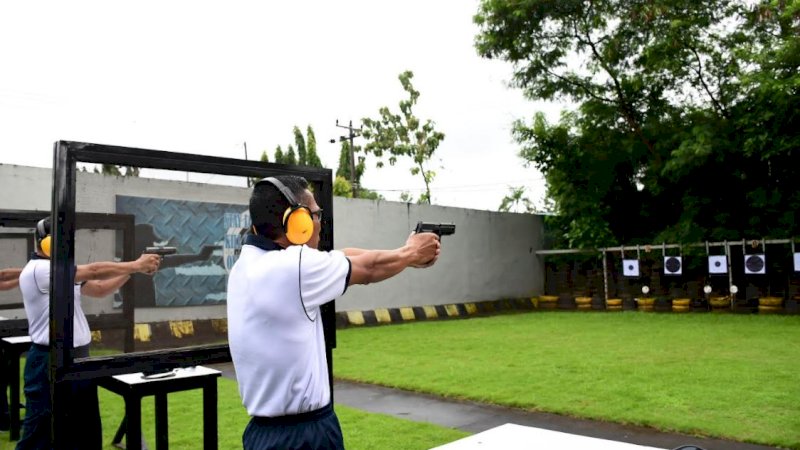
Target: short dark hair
pixel 267 204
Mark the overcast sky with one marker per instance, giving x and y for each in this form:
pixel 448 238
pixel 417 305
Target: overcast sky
pixel 206 77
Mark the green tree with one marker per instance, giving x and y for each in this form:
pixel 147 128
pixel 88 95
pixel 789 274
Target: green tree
pixel 290 157
pixel 344 163
pixel 119 171
pixel 343 173
pixel 306 154
pixel 402 135
pixel 300 142
pixel 684 111
pixel 516 201
pixel 311 149
pixel 342 187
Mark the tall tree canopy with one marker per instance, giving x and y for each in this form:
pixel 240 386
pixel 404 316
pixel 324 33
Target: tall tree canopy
pixel 404 135
pixel 312 159
pixel 300 142
pixel 306 154
pixel 687 114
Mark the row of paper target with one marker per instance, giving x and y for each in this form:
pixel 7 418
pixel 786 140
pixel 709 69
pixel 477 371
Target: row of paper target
pixel 754 264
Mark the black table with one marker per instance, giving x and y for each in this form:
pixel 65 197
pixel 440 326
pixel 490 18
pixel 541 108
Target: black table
pixel 133 386
pixel 12 349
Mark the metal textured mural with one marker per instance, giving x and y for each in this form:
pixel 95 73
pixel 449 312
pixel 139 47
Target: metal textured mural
pixel 207 237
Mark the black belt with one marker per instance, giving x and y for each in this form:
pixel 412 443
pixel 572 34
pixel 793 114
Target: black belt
pixel 295 418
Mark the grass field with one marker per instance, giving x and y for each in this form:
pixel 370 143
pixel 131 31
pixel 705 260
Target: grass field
pixel 721 375
pixel 361 430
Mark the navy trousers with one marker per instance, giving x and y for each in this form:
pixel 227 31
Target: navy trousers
pixel 84 408
pixel 308 431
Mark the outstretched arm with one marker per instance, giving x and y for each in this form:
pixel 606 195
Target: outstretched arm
pixel 371 266
pixel 9 278
pixel 147 263
pixel 102 288
pixel 354 251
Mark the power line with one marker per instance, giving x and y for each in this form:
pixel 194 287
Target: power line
pixel 465 187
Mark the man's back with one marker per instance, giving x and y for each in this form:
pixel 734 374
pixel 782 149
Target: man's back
pixel 34 283
pixel 275 333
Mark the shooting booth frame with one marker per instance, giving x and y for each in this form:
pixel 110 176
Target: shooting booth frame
pixel 63 365
pixel 123 223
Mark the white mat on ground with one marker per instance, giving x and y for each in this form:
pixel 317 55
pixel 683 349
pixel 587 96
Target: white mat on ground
pixel 518 437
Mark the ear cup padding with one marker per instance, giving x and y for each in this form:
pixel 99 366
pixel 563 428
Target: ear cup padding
pixel 298 224
pixel 44 244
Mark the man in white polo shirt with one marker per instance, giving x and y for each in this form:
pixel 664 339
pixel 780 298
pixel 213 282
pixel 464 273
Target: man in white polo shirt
pixel 97 279
pixel 275 333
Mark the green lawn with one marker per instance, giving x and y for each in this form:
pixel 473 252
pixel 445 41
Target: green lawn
pixel 721 375
pixel 361 430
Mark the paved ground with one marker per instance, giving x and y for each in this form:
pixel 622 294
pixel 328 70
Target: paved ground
pixel 476 417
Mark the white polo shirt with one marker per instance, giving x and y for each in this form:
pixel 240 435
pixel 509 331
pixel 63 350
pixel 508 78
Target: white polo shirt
pixel 34 282
pixel 275 327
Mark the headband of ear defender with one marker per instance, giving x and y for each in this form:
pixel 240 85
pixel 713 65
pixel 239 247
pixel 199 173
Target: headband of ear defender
pixel 297 222
pixel 43 239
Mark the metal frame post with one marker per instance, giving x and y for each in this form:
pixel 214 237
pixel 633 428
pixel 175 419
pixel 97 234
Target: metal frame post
pixel 63 366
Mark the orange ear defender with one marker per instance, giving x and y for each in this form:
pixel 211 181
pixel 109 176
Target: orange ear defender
pixel 297 222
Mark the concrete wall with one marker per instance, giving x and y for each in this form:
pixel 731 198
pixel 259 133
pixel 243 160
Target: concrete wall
pixel 491 256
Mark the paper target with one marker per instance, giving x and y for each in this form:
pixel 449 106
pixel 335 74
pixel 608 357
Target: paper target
pixel 673 265
pixel 630 267
pixel 755 264
pixel 717 264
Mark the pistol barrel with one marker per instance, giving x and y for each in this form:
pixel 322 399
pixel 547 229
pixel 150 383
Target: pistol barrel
pixel 161 251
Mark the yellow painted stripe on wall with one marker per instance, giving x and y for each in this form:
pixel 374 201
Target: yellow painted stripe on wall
pixel 142 332
pixel 355 317
pixel 452 310
pixel 219 325
pixel 430 312
pixel 407 313
pixel 180 328
pixel 471 308
pixel 383 315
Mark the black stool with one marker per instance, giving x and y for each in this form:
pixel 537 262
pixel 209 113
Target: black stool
pixel 12 349
pixel 133 386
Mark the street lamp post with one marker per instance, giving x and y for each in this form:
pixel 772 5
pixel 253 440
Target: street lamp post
pixel 352 133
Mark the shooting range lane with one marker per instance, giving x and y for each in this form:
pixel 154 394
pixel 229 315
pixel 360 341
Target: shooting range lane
pixel 476 417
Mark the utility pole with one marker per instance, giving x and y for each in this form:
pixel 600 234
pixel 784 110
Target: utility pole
pixel 352 133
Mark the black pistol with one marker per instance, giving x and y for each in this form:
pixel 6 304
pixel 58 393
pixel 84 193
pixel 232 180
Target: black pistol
pixel 441 229
pixel 161 251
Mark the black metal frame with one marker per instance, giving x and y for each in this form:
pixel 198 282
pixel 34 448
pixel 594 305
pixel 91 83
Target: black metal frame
pixel 93 221
pixel 27 237
pixel 63 366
